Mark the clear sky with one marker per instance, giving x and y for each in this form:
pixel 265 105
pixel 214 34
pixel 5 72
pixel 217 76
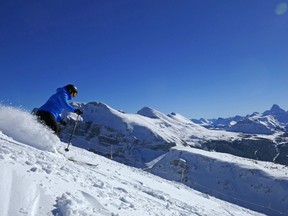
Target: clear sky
pixel 213 58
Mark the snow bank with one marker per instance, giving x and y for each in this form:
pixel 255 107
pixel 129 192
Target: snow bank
pixel 23 127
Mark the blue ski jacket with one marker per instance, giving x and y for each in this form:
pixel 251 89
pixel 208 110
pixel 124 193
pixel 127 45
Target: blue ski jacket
pixel 57 103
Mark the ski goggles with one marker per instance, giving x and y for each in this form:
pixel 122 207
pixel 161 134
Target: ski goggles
pixel 74 94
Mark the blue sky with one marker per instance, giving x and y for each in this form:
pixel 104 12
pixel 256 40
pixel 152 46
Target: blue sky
pixel 197 58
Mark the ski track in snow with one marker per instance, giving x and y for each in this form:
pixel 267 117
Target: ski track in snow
pixel 56 186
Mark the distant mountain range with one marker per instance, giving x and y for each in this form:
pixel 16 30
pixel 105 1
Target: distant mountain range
pixel 268 122
pixel 135 139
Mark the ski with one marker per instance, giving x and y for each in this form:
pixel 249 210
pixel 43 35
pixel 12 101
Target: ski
pixel 82 162
pixel 79 162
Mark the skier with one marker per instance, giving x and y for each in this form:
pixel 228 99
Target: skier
pixel 50 112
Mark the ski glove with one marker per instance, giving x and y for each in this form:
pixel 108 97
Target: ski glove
pixel 79 112
pixel 62 122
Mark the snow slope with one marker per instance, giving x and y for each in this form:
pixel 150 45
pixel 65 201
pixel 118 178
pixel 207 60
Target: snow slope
pixel 256 185
pixel 37 178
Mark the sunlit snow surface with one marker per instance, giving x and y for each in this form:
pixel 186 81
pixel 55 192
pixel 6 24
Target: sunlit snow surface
pixel 37 178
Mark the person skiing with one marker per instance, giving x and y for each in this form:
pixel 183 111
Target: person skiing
pixel 50 112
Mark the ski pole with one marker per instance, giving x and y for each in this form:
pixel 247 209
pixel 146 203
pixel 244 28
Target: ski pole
pixel 75 124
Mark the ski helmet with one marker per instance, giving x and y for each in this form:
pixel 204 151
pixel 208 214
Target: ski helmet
pixel 72 89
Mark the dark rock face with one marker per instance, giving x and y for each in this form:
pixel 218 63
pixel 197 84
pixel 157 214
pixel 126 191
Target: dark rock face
pixel 261 149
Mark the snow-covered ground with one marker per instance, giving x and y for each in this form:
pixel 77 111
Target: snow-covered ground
pixel 257 185
pixel 39 178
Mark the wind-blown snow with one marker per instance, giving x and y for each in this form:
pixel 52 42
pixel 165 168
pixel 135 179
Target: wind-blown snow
pixel 23 127
pixel 37 180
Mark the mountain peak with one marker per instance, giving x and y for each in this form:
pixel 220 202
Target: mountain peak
pixel 278 113
pixel 149 112
pixel 276 109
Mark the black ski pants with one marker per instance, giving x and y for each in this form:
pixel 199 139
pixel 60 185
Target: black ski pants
pixel 49 119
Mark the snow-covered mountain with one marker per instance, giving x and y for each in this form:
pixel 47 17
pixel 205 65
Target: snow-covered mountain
pixel 226 177
pixel 135 139
pixel 149 135
pixel 278 113
pixel 38 178
pixel 169 146
pixel 143 136
pixel 268 122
